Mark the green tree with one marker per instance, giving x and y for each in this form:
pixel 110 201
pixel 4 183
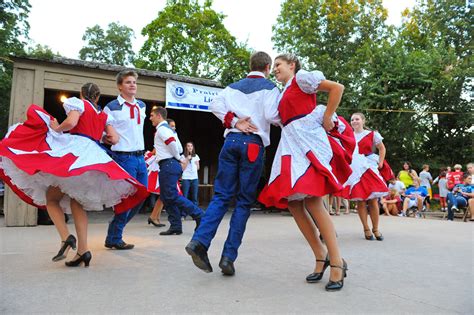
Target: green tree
pixel 113 46
pixel 329 36
pixel 41 52
pixel 420 67
pixel 14 29
pixel 442 32
pixel 190 39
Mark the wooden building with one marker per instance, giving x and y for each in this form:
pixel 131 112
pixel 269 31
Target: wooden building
pixel 44 82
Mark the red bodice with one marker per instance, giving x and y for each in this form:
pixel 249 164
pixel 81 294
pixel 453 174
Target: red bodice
pixel 295 103
pixel 366 144
pixel 91 123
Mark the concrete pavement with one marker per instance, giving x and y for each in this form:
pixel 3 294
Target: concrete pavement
pixel 423 266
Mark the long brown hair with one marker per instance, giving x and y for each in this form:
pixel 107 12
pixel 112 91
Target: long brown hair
pixel 90 91
pixel 193 152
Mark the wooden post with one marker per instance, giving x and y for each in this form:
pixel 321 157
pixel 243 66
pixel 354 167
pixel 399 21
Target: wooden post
pixel 17 212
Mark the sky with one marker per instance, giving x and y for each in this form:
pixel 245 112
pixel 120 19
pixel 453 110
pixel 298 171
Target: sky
pixel 60 24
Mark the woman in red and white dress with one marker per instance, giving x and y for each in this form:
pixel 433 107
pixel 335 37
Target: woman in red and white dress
pixel 312 160
pixel 367 182
pixel 68 171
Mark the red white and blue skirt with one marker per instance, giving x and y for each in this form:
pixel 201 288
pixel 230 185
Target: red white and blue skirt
pixel 34 157
pixel 309 161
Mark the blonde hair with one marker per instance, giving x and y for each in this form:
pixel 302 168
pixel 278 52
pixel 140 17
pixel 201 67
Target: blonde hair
pixel 458 167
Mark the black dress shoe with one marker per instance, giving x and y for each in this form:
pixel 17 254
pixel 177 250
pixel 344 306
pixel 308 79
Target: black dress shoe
pixel 198 253
pixel 120 246
pixel 69 243
pixel 337 285
pixel 368 237
pixel 316 276
pixel 227 266
pixel 378 235
pixel 171 232
pixel 155 222
pixel 85 258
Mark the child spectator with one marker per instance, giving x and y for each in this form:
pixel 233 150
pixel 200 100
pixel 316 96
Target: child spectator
pixel 443 190
pixel 392 203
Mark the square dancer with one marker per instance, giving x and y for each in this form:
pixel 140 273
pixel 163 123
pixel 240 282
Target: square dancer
pixel 168 153
pixel 129 114
pixel 246 108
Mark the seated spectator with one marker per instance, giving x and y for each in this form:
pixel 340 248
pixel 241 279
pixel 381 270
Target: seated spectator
pixel 460 196
pixel 414 197
pixel 392 204
pixel 407 175
pixel 455 177
pixel 470 171
pixel 398 185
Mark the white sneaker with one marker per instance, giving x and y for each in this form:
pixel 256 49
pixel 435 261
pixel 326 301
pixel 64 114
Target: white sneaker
pixel 454 208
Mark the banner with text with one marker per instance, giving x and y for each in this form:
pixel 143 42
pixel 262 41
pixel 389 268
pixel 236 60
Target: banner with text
pixel 180 95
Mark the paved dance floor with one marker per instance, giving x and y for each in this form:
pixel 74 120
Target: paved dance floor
pixel 423 266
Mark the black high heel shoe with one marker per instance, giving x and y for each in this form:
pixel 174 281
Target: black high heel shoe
pixel 368 237
pixel 379 237
pixel 316 276
pixel 85 257
pixel 337 285
pixel 151 221
pixel 69 243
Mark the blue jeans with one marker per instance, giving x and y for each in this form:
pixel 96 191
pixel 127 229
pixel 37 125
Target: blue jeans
pixel 190 189
pixel 457 201
pixel 236 176
pixel 136 167
pixel 170 172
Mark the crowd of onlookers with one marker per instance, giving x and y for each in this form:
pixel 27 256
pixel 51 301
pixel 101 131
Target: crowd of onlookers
pixel 412 192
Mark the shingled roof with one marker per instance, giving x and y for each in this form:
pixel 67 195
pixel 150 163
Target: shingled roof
pixel 117 68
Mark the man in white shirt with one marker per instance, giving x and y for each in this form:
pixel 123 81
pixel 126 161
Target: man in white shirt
pixel 246 109
pixel 168 152
pixel 128 115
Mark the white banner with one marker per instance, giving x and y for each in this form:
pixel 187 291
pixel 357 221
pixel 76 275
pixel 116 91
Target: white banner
pixel 187 96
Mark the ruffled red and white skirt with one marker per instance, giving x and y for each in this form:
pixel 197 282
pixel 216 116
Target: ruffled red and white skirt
pixel 366 181
pixel 34 157
pixel 309 161
pixel 154 174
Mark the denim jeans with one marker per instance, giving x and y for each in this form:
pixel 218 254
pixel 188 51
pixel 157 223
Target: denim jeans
pixel 456 201
pixel 190 189
pixel 170 172
pixel 136 167
pixel 236 176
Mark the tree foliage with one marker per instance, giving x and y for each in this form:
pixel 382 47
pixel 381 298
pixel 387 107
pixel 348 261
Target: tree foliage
pixel 113 45
pixel 41 52
pixel 190 39
pixel 422 66
pixel 14 29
